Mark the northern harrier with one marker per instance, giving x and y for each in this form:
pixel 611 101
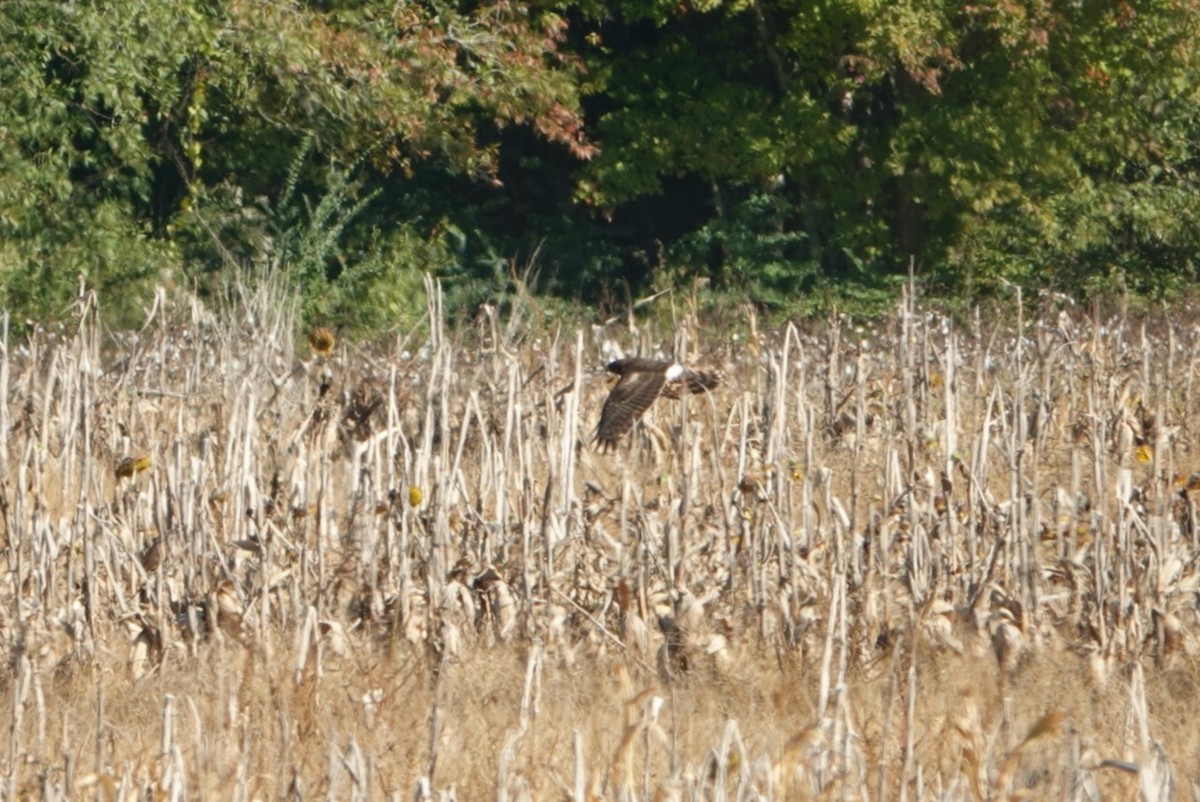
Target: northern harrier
pixel 642 381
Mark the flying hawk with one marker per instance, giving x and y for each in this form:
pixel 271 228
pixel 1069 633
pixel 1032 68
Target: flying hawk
pixel 642 381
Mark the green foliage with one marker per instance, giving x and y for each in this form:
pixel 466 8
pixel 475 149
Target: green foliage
pixel 752 251
pixel 1047 142
pixel 77 166
pixel 342 271
pixel 149 139
pixel 789 152
pixel 308 236
pixel 1076 171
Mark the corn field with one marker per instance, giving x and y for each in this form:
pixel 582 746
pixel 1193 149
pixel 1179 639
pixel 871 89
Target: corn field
pixel 919 559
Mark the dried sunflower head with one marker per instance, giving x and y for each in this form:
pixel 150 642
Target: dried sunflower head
pixel 322 341
pixel 128 466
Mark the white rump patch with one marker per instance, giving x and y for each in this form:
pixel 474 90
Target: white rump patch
pixel 675 372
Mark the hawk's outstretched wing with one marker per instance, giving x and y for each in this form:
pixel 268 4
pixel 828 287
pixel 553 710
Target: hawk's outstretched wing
pixel 628 401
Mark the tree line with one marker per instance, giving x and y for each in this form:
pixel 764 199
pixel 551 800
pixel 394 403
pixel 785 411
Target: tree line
pixel 780 150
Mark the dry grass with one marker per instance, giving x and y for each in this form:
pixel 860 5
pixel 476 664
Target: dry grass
pixel 923 560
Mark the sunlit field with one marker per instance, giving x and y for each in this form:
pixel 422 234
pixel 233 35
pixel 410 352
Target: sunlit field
pixel 914 559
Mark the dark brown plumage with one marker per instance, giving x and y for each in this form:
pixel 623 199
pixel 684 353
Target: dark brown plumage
pixel 642 382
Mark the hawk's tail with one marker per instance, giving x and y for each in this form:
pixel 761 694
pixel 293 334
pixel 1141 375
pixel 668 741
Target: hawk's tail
pixel 692 381
pixel 701 381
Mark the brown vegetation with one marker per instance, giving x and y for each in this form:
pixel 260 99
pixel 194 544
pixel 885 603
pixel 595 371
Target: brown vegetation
pixel 920 559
